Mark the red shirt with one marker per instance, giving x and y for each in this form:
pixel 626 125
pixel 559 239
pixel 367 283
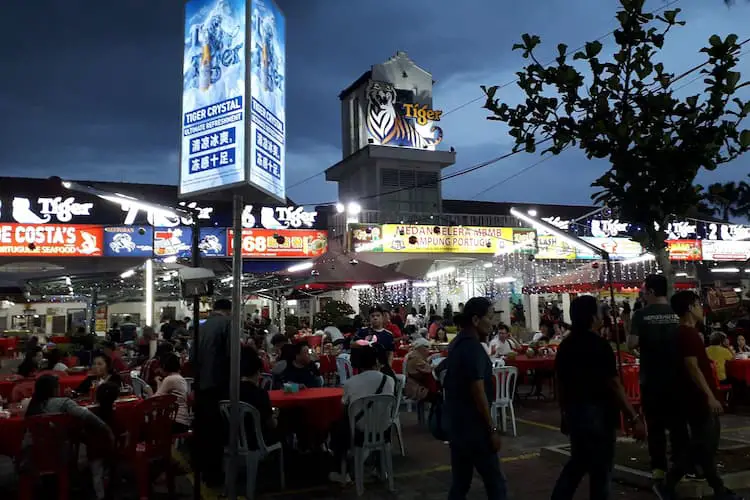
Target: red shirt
pixel 691 345
pixel 118 364
pixel 394 329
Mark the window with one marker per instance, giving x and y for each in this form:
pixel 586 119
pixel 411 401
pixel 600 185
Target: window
pixel 415 191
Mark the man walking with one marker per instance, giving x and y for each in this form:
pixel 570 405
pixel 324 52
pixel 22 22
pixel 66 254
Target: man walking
pixel 698 402
pixel 469 392
pixel 654 332
pixel 212 387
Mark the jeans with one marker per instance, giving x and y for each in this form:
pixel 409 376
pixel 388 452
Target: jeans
pixel 705 431
pixel 662 412
pixel 592 451
pixel 466 457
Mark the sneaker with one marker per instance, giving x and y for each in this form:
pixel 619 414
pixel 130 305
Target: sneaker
pixel 661 492
pixel 658 475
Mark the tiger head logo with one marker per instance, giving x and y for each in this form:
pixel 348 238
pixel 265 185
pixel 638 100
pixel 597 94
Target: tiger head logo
pixel 381 95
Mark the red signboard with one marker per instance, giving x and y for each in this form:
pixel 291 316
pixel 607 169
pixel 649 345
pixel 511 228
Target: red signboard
pixel 51 240
pixel 298 243
pixel 684 250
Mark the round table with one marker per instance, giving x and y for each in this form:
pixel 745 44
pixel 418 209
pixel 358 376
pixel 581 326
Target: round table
pixel 525 363
pixel 739 369
pixel 322 406
pixel 66 382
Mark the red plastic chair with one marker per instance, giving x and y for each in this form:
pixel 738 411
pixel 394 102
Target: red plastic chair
pixel 22 390
pixel 725 390
pixel 152 424
pixel 632 385
pixel 50 453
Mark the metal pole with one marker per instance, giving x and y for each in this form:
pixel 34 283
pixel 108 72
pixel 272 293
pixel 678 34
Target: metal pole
pixel 234 347
pixel 196 262
pixel 614 313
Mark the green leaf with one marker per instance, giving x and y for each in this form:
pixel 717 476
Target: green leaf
pixel 733 77
pixel 593 49
pixel 562 49
pixel 715 40
pixel 745 139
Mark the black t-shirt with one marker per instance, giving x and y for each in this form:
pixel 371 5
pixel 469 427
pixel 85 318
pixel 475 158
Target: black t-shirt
pixel 467 362
pixel 584 364
pixel 257 398
pixel 656 328
pixel 305 375
pixel 384 337
pixel 166 331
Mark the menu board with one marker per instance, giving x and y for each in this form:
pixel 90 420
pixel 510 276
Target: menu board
pixel 292 243
pixel 51 240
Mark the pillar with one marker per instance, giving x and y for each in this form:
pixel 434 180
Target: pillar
pixel 566 307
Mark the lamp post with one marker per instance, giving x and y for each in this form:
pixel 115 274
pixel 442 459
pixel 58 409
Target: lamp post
pixel 577 242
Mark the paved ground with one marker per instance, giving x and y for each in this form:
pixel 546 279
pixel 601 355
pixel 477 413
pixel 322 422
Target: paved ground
pixel 424 474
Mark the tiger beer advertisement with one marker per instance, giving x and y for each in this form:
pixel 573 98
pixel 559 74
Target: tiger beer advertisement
pixel 51 240
pixel 297 243
pixel 399 238
pixel 689 250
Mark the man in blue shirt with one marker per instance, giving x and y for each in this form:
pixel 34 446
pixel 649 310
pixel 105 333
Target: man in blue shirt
pixel 469 392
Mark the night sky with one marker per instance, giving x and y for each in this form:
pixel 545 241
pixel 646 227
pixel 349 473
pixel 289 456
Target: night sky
pixel 90 89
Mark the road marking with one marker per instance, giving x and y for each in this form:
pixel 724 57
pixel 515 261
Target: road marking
pixel 416 473
pixel 736 429
pixel 538 424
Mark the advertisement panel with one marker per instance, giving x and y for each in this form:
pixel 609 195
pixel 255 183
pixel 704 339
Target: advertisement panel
pixel 267 141
pixel 524 241
pixel 298 243
pixel 549 247
pixel 689 250
pixel 128 241
pixel 51 240
pixel 618 248
pixel 366 237
pixel 726 250
pixel 213 242
pixel 172 241
pixel 400 238
pixel 212 151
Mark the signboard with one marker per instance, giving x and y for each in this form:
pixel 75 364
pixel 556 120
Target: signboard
pixel 267 140
pixel 213 242
pixel 395 119
pixel 549 247
pixel 686 250
pixel 278 217
pixel 128 241
pixel 296 243
pixel 400 238
pixel 726 250
pixel 366 237
pixel 618 248
pixel 721 231
pixel 51 240
pixel 524 241
pixel 172 242
pixel 214 107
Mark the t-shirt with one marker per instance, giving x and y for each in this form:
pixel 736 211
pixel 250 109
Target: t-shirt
pixel 584 366
pixel 691 346
pixel 176 385
pixel 656 328
pixel 258 399
pixel 720 355
pixel 384 337
pixel 500 348
pixel 467 362
pixel 304 375
pixel 366 384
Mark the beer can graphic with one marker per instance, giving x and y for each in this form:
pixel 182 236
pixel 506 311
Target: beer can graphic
pixel 204 74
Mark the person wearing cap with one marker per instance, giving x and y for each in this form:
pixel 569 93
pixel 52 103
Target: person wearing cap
pixel 420 384
pixel 376 332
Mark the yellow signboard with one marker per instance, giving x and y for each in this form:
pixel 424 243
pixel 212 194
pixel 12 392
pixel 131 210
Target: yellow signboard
pixel 399 238
pixel 550 247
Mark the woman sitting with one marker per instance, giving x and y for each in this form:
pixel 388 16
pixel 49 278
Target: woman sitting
pixel 31 362
pixel 101 372
pixel 175 384
pixel 742 346
pixel 420 383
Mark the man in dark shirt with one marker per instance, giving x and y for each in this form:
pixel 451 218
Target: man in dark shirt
pixel 252 394
pixel 697 392
pixel 377 332
pixel 128 330
pixel 654 333
pixel 301 370
pixel 469 392
pixel 591 396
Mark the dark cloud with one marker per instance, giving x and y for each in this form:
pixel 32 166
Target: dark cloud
pixel 92 88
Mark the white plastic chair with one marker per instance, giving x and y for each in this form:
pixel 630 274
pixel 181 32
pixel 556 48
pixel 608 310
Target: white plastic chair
pixel 375 422
pixel 266 381
pixel 344 369
pixel 396 418
pixel 505 388
pixel 139 386
pixel 252 457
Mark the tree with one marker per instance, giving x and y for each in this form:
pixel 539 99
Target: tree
pixel 727 200
pixel 625 111
pixel 334 313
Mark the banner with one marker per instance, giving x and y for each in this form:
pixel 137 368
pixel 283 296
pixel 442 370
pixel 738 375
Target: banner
pixel 726 250
pixel 524 241
pixel 298 243
pixel 173 242
pixel 399 238
pixel 366 237
pixel 618 248
pixel 689 250
pixel 214 107
pixel 213 242
pixel 51 240
pixel 549 247
pixel 128 241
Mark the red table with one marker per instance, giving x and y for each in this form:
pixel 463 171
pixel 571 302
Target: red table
pixel 11 429
pixel 65 381
pixel 525 363
pixel 739 369
pixel 8 343
pixel 322 406
pixel 59 339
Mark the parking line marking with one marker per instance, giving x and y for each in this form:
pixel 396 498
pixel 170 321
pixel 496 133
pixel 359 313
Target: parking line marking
pixel 538 424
